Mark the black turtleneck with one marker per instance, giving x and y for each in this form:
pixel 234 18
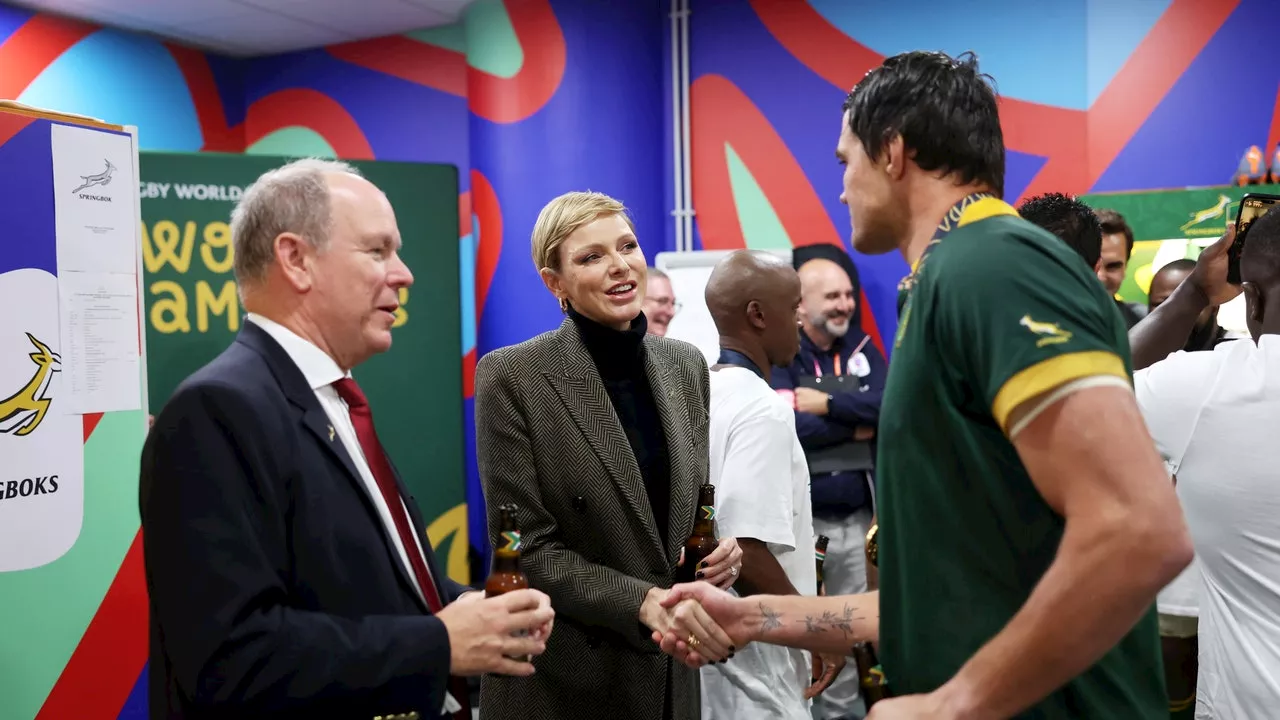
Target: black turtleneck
pixel 620 359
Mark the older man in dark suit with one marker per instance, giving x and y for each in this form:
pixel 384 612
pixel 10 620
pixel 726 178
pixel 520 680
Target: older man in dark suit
pixel 288 571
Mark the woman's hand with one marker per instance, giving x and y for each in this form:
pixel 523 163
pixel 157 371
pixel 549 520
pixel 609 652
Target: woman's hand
pixel 722 566
pixel 686 621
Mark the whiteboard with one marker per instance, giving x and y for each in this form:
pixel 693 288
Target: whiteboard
pixel 689 272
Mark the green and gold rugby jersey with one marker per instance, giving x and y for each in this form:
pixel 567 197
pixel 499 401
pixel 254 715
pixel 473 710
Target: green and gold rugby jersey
pixel 997 312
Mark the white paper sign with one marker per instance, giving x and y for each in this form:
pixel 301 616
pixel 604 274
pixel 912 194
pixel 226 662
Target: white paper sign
pixel 42 472
pixel 102 366
pixel 95 216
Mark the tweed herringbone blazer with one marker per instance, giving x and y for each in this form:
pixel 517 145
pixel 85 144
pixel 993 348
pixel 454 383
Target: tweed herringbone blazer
pixel 548 439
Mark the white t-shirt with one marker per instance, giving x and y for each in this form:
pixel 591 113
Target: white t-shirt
pixel 1214 417
pixel 762 492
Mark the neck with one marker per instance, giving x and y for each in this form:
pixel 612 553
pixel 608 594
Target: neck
pixel 926 212
pixel 289 313
pixel 751 350
pixel 823 339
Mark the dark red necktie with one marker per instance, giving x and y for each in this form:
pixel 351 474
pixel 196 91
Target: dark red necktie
pixel 362 420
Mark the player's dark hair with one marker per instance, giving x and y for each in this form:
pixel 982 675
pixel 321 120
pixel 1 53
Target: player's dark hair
pixel 943 108
pixel 1112 223
pixel 1069 219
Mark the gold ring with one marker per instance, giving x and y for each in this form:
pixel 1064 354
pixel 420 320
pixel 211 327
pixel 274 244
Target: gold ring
pixel 692 641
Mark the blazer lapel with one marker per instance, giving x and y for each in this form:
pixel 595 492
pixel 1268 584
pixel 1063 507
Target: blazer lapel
pixel 676 428
pixel 316 421
pixel 584 396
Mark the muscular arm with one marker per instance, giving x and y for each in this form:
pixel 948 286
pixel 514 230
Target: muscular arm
pixel 1091 459
pixel 212 510
pixel 1167 328
pixel 586 592
pixel 818 624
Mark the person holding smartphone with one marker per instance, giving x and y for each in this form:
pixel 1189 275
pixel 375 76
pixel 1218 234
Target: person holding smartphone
pixel 1212 416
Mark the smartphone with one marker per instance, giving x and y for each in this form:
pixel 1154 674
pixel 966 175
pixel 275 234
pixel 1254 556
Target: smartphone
pixel 1252 207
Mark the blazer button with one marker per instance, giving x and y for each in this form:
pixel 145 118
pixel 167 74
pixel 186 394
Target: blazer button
pixel 579 503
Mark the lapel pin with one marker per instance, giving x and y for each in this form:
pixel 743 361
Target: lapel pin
pixel 331 431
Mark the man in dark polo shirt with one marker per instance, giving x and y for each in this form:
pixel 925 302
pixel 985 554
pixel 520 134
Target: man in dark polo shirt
pixel 1019 557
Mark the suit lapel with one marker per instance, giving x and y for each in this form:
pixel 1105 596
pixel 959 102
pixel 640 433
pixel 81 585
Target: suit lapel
pixel 316 421
pixel 584 396
pixel 675 428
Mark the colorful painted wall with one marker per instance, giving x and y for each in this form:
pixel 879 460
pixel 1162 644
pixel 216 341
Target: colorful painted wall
pixel 535 97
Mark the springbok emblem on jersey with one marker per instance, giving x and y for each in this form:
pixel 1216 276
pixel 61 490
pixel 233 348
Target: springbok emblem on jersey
pixel 22 412
pixel 1210 213
pixel 102 178
pixel 1050 333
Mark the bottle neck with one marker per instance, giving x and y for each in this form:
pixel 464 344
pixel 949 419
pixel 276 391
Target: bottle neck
pixel 704 519
pixel 505 561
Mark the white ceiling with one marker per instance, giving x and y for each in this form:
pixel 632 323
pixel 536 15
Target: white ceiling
pixel 259 27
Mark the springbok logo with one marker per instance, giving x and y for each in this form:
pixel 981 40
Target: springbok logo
pixel 102 178
pixel 1050 333
pixel 1212 212
pixel 22 412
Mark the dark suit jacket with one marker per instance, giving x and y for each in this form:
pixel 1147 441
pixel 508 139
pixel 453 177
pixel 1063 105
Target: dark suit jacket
pixel 548 439
pixel 275 591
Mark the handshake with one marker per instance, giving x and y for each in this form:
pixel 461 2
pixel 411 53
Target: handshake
pixel 698 623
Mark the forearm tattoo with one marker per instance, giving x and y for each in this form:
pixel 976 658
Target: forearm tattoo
pixel 829 621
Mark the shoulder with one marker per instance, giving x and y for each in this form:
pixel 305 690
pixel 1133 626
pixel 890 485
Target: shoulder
pixel 674 351
pixel 739 396
pixel 678 356
pixel 1009 254
pixel 534 352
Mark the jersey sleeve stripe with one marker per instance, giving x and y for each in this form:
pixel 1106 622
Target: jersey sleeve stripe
pixel 1050 374
pixel 1064 390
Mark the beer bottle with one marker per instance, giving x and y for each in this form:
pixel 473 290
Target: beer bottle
pixel 870 677
pixel 504 574
pixel 820 555
pixel 703 540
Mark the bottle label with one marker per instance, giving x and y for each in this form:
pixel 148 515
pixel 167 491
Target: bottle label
pixel 708 512
pixel 876 678
pixel 819 555
pixel 511 541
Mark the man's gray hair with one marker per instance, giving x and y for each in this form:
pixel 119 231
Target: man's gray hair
pixel 654 272
pixel 293 198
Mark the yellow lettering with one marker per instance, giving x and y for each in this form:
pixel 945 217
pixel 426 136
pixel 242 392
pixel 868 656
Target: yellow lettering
pixel 224 303
pixel 217 236
pixel 161 246
pixel 175 305
pixel 402 315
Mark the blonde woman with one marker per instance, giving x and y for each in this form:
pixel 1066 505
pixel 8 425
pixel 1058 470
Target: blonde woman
pixel 598 432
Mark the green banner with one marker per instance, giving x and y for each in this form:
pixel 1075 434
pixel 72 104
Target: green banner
pixel 415 389
pixel 1175 214
pixel 1170 224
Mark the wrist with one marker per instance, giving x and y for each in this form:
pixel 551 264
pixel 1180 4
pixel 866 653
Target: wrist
pixel 649 606
pixel 958 699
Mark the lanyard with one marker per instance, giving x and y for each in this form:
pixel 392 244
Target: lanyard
pixel 733 357
pixel 817 369
pixel 950 222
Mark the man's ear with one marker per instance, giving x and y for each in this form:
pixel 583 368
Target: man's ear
pixel 893 153
pixel 1254 302
pixel 294 255
pixel 755 315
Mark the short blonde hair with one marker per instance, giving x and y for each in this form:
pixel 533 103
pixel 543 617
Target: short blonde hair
pixel 561 217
